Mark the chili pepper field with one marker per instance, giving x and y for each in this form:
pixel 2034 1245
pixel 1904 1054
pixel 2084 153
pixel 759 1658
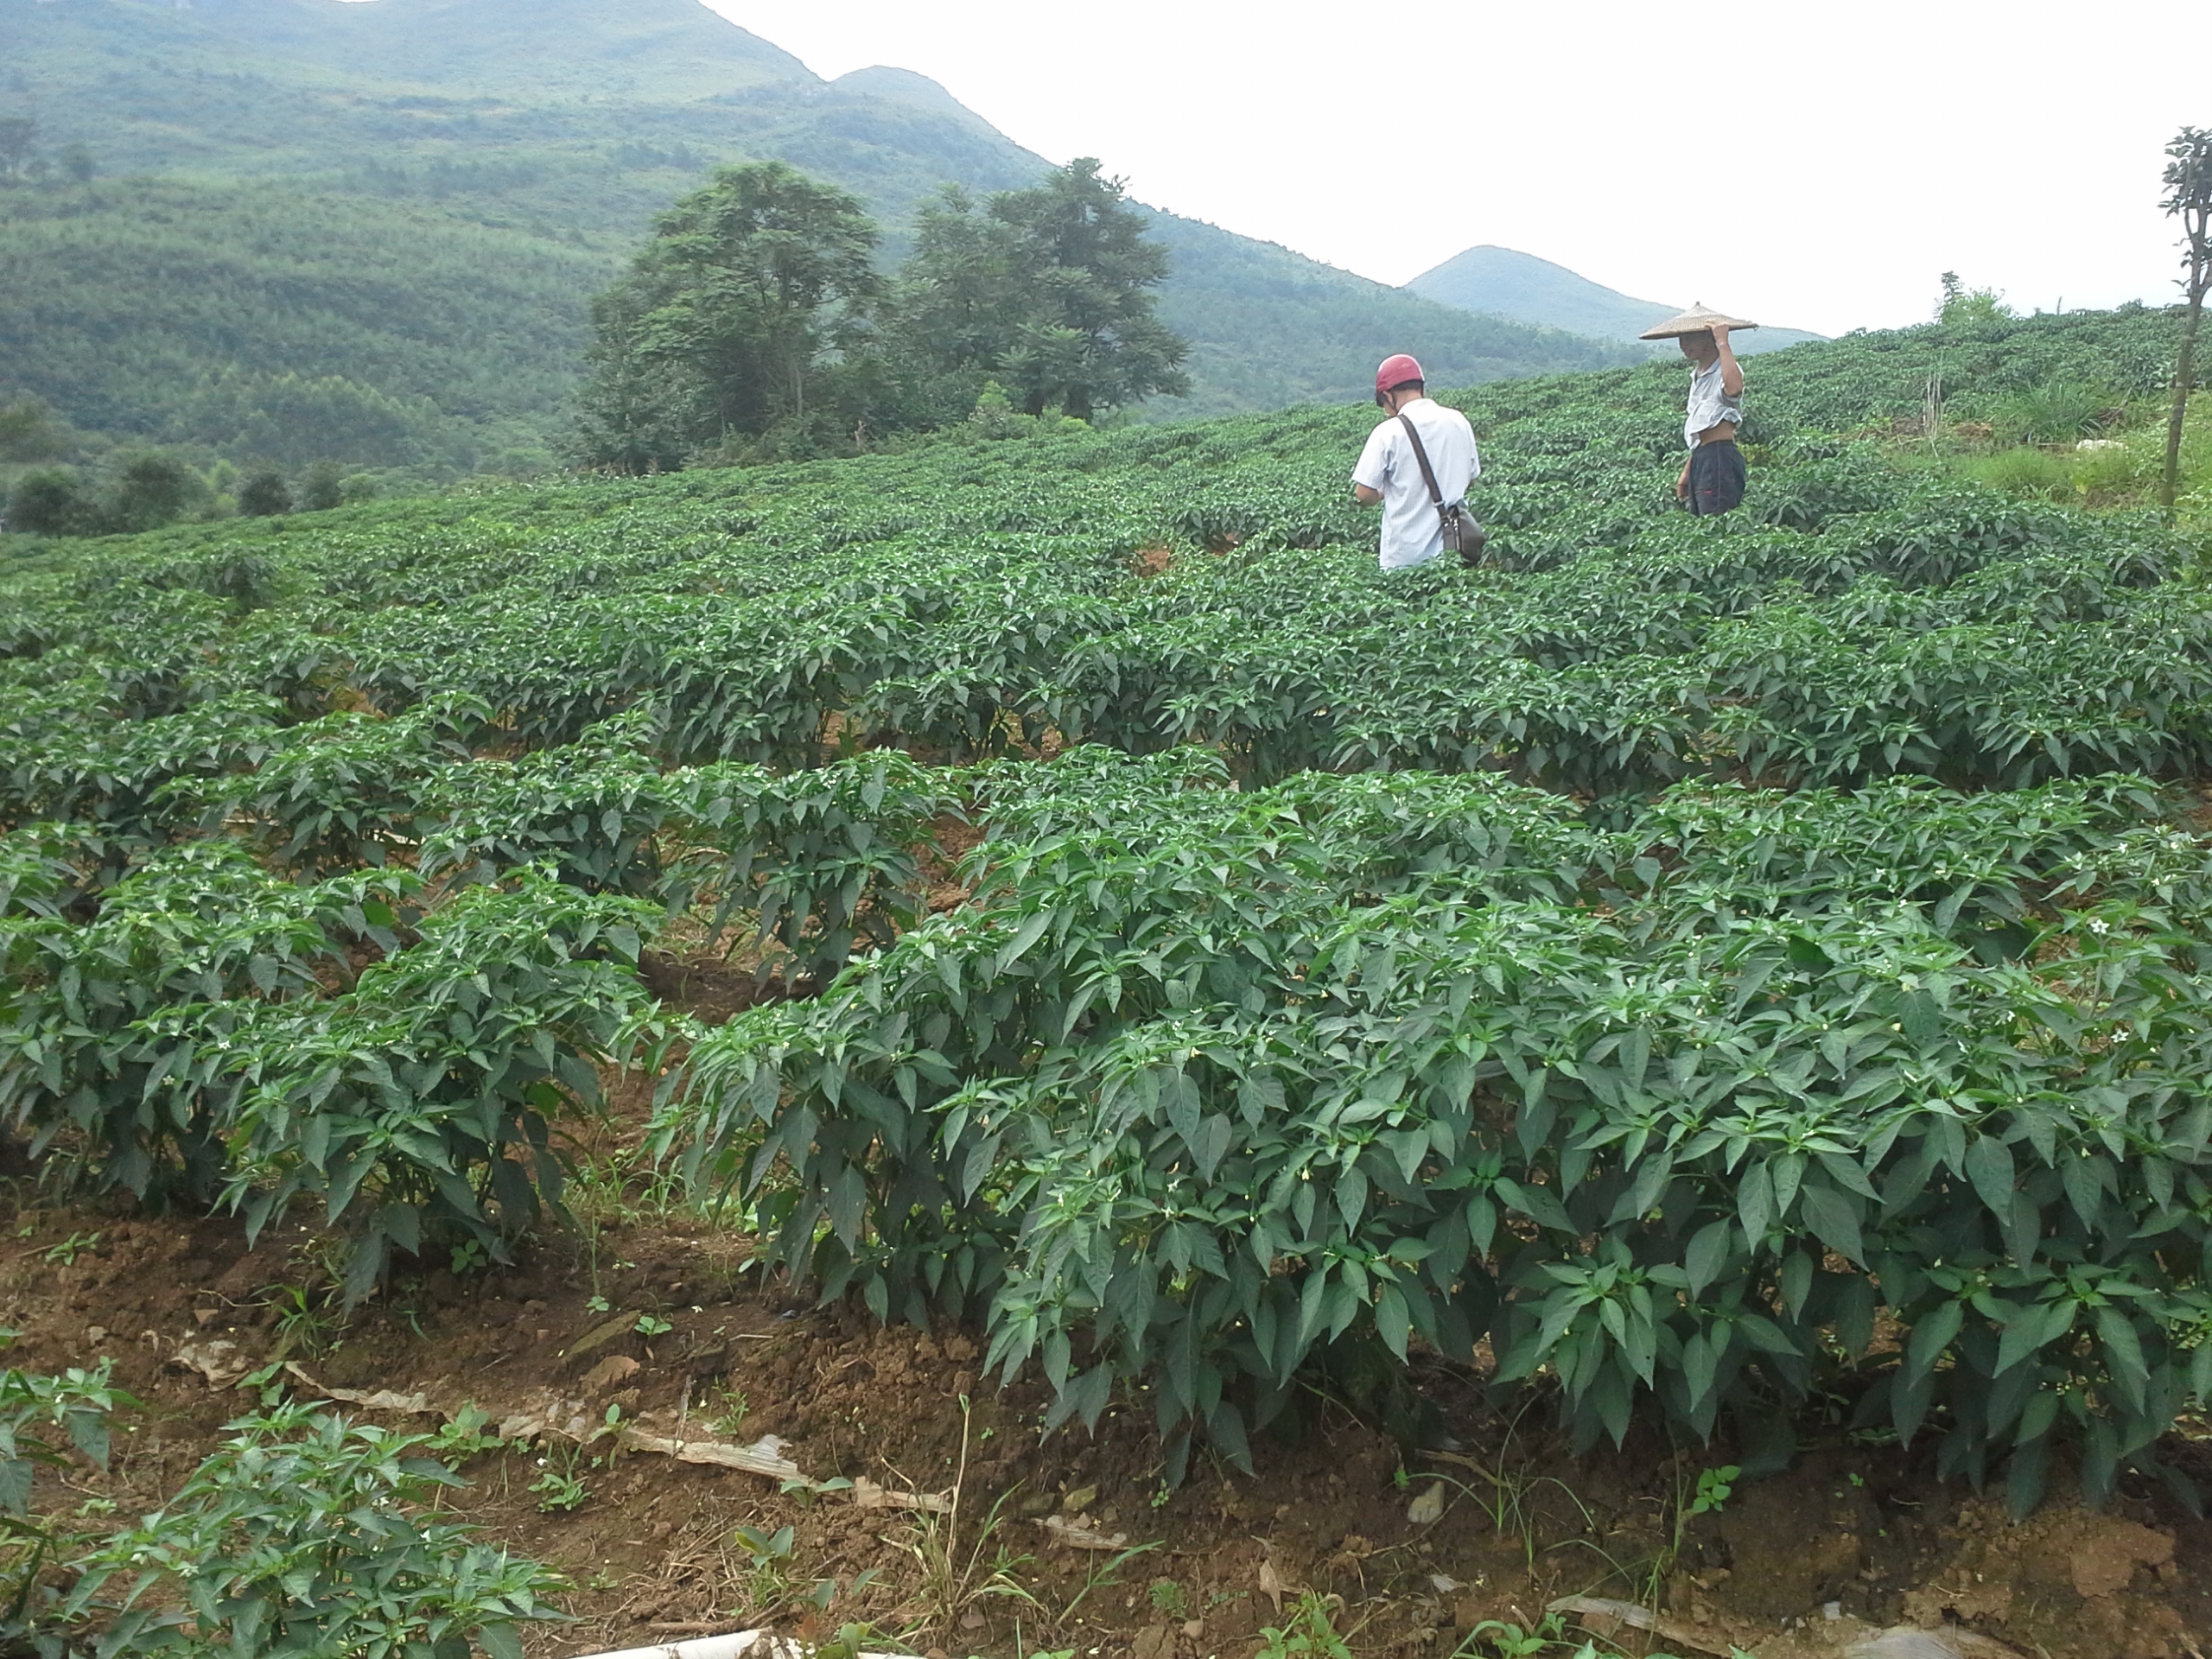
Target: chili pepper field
pixel 1688 995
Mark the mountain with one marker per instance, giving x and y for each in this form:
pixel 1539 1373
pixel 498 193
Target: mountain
pixel 905 87
pixel 1503 283
pixel 388 218
pixel 549 51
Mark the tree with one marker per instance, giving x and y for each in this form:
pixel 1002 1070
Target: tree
pixel 77 162
pixel 322 486
pixel 27 432
pixel 750 291
pixel 1964 307
pixel 51 502
pixel 18 139
pixel 635 414
pixel 152 489
pixel 1088 337
pixel 1050 290
pixel 263 494
pixel 955 314
pixel 2187 180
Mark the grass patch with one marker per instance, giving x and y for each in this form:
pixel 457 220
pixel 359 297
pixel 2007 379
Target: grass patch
pixel 2114 467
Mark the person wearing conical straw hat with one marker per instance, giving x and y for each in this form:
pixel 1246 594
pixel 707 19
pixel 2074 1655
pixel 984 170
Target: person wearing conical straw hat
pixel 1713 477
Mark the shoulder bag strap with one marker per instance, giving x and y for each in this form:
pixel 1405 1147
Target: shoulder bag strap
pixel 1421 454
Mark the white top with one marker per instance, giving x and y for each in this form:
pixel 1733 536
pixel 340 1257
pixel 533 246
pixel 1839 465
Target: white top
pixel 1412 532
pixel 1709 404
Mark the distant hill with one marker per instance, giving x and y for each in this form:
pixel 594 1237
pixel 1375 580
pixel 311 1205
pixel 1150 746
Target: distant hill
pixel 905 87
pixel 1228 291
pixel 1503 283
pixel 548 51
pixel 399 210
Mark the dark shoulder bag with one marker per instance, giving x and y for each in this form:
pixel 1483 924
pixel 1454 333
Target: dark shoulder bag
pixel 1462 535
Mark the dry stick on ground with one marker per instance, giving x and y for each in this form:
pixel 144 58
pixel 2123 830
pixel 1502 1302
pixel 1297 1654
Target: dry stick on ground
pixel 696 1565
pixel 2189 183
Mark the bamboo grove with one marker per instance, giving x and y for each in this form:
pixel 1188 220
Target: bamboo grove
pixel 1711 965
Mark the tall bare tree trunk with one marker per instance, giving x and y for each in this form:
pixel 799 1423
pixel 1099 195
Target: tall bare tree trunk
pixel 2185 378
pixel 2187 180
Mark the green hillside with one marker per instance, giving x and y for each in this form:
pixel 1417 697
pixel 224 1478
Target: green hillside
pixel 287 325
pixel 1229 295
pixel 609 50
pixel 459 176
pixel 1504 282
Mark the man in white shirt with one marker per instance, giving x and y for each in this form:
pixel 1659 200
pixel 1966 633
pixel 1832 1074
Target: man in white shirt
pixel 1389 472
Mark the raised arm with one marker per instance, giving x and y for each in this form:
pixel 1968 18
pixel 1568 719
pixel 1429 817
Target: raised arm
pixel 1732 372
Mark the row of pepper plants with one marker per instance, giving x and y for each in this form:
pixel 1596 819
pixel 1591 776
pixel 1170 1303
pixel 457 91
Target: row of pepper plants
pixel 1209 1085
pixel 235 1019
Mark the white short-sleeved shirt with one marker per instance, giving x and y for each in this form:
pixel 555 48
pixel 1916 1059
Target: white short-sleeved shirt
pixel 1710 403
pixel 1412 532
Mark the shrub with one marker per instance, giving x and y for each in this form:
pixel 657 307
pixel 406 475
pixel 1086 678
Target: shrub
pixel 1972 307
pixel 43 869
pixel 306 1534
pixel 264 494
pixel 30 432
pixel 150 490
pixel 119 775
pixel 322 486
pixel 53 501
pixel 188 1040
pixel 138 1104
pixel 821 860
pixel 338 792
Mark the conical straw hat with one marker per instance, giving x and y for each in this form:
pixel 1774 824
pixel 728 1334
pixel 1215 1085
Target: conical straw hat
pixel 1695 321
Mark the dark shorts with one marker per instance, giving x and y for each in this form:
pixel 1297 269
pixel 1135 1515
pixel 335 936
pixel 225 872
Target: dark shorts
pixel 1716 477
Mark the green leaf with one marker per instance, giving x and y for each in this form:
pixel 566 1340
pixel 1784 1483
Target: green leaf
pixel 1834 1219
pixel 2023 1334
pixel 1707 1256
pixel 1989 1167
pixel 1032 930
pixel 1755 1203
pixel 1410 1147
pixel 2123 1353
pixel 1701 1352
pixel 1211 1144
pixel 1392 1322
pixel 1931 1335
pixel 1795 1282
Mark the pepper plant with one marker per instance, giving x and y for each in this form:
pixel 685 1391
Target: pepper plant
pixel 420 1107
pixel 43 1421
pixel 305 1534
pixel 92 1063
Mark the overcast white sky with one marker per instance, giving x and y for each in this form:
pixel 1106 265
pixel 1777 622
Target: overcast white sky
pixel 1817 166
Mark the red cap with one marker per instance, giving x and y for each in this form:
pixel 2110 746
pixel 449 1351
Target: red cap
pixel 1396 371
